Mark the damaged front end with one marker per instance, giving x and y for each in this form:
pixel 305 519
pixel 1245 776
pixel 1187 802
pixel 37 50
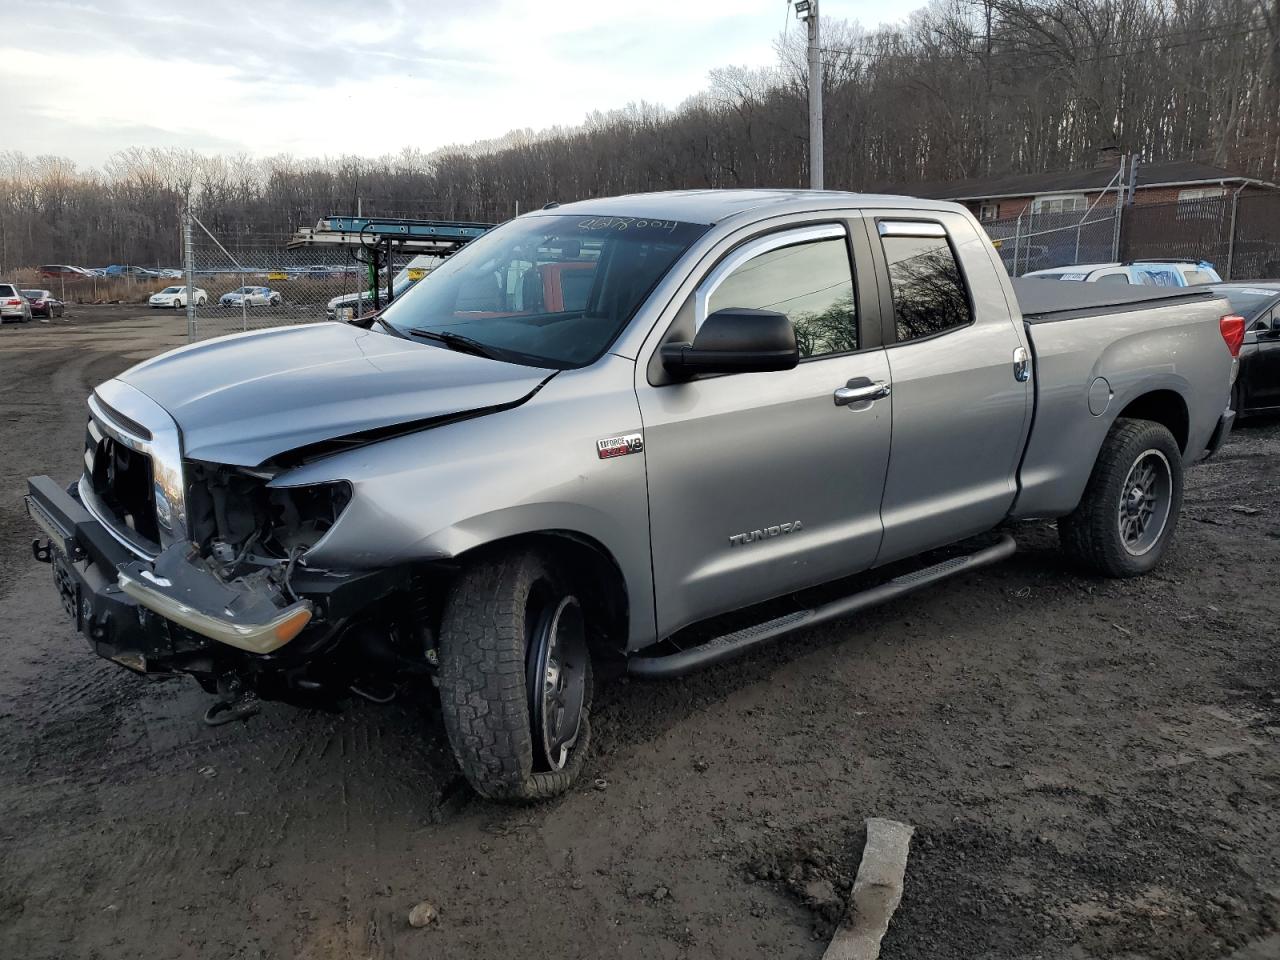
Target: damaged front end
pixel 195 568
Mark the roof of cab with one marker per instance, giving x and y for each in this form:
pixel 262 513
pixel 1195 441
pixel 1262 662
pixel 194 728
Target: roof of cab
pixel 714 206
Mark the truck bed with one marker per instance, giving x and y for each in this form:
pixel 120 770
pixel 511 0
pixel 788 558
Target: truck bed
pixel 1122 341
pixel 1047 301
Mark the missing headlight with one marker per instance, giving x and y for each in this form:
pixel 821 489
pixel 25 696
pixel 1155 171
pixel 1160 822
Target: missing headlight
pixel 236 518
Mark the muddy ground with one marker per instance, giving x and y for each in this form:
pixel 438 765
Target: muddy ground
pixel 1092 766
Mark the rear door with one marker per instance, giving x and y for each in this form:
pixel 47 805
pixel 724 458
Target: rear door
pixel 763 483
pixel 961 383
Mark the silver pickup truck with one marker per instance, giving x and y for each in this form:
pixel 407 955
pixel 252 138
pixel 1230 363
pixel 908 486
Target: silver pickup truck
pixel 643 433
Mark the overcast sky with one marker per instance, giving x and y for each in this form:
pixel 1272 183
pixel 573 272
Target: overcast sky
pixel 84 79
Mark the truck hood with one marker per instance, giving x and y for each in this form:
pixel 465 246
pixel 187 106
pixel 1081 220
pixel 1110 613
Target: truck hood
pixel 244 399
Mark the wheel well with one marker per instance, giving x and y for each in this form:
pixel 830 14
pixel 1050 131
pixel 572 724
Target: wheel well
pixel 590 566
pixel 1164 407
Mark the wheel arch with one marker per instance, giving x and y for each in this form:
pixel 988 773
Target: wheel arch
pixel 591 566
pixel 1164 406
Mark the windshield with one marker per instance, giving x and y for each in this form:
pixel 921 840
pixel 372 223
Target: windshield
pixel 35 294
pixel 172 290
pixel 548 291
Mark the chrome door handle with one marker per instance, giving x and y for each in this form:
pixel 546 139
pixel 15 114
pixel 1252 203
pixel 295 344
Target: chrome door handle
pixel 859 389
pixel 1021 365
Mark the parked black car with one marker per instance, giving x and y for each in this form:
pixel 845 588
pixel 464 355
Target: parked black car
pixel 44 303
pixel 1257 388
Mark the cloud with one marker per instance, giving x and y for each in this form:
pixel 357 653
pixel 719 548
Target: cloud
pixel 331 76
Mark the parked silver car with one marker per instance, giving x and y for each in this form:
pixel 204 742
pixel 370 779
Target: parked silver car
pixel 13 305
pixel 598 430
pixel 251 297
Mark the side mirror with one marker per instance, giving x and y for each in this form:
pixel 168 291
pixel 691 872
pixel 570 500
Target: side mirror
pixel 735 340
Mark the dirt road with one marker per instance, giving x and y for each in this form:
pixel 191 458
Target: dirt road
pixel 1092 766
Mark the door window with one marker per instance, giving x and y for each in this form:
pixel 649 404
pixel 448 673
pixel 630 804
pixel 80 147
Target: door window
pixel 929 295
pixel 810 282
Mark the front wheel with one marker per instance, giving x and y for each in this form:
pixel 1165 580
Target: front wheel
pixel 515 677
pixel 1130 508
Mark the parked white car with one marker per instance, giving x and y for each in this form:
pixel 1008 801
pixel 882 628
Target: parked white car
pixel 1150 273
pixel 176 297
pixel 251 297
pixel 359 303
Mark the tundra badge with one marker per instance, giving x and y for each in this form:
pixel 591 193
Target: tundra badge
pixel 738 539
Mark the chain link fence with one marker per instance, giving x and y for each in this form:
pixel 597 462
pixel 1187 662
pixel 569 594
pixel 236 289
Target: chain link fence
pixel 1238 233
pixel 1040 241
pixel 244 282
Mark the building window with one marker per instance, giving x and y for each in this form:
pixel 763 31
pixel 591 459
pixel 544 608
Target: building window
pixel 1201 193
pixel 988 211
pixel 1060 203
pixel 1200 203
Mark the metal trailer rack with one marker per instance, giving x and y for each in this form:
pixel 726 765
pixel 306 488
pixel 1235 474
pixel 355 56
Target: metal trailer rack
pixel 376 238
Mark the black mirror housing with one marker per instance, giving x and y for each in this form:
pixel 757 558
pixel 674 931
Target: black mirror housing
pixel 735 340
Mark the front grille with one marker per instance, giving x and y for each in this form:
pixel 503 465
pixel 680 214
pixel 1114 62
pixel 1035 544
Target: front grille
pixel 122 483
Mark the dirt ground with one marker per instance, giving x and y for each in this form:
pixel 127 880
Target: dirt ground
pixel 1092 765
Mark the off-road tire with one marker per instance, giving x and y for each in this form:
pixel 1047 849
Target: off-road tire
pixel 1090 535
pixel 483 693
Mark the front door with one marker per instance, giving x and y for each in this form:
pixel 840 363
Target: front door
pixel 762 483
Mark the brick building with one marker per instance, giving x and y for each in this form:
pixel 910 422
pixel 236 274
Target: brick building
pixel 1070 191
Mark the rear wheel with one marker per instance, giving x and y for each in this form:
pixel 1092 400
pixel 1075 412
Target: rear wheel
pixel 1126 519
pixel 515 677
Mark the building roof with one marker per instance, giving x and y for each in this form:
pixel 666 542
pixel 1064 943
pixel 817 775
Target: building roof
pixel 1170 173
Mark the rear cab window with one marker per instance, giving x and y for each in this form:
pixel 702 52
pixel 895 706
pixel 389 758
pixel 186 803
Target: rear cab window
pixel 928 289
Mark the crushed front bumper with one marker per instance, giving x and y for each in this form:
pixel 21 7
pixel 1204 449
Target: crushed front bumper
pixel 86 558
pixel 166 617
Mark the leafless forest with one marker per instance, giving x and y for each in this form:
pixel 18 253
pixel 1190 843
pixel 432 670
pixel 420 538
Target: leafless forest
pixel 968 88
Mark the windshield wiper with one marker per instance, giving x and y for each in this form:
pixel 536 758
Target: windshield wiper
pixel 391 328
pixel 456 341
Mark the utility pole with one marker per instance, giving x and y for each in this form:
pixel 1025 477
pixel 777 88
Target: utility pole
pixel 807 10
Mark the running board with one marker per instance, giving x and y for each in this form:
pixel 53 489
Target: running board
pixel 731 644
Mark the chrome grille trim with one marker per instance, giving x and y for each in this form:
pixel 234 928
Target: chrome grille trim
pixel 164 448
pixel 112 525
